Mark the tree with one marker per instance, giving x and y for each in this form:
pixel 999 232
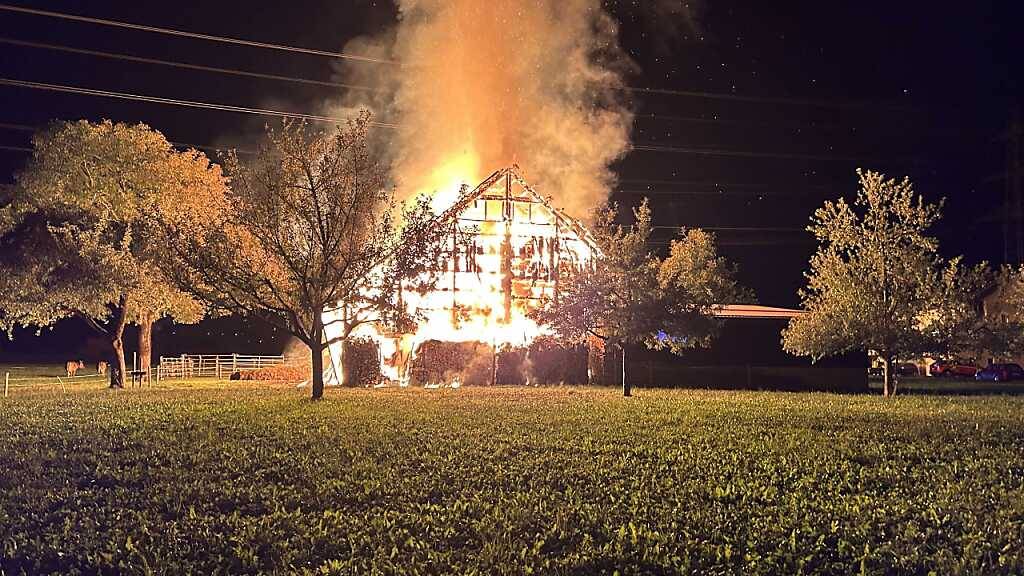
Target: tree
pixel 308 223
pixel 76 237
pixel 877 281
pixel 628 295
pixel 998 329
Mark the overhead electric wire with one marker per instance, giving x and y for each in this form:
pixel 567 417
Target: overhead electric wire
pixel 767 99
pixel 194 35
pixel 316 118
pixel 176 102
pixel 714 193
pixel 750 154
pixel 329 84
pixel 184 65
pixel 364 58
pixel 28 128
pixel 656 182
pixel 735 228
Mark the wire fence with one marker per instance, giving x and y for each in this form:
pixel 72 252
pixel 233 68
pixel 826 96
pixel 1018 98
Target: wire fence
pixel 212 365
pixel 218 366
pixel 37 381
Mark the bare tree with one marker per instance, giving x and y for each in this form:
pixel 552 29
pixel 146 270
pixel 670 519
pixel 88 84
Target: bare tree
pixel 308 223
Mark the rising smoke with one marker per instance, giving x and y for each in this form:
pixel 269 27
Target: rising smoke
pixel 477 85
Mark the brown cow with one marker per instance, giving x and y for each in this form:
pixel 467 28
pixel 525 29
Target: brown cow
pixel 101 368
pixel 72 367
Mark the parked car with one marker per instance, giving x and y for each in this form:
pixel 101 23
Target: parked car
pixel 900 369
pixel 953 368
pixel 906 369
pixel 1000 372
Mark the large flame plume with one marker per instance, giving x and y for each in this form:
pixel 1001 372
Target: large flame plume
pixel 477 85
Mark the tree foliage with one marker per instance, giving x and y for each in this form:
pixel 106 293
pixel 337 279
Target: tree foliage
pixel 629 295
pixel 878 282
pixel 76 231
pixel 308 222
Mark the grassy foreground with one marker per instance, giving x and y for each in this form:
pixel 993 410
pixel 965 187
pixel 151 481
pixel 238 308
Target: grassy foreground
pixel 244 479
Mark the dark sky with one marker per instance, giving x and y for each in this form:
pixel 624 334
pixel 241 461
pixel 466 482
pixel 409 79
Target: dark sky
pixel 807 91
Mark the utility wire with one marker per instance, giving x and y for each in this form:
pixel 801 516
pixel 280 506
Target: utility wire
pixel 750 154
pixel 735 228
pixel 28 128
pixel 194 35
pixel 176 102
pixel 363 58
pixel 316 118
pixel 721 184
pixel 329 84
pixel 183 65
pixel 714 193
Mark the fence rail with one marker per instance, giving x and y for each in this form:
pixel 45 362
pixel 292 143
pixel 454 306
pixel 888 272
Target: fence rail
pixel 212 365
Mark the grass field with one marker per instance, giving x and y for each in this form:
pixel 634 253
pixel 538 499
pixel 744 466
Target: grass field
pixel 228 478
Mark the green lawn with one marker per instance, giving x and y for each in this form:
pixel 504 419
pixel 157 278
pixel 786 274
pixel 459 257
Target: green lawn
pixel 229 478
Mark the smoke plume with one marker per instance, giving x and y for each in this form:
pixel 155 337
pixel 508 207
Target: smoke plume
pixel 477 85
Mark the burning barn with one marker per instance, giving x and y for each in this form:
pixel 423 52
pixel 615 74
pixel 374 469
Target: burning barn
pixel 508 247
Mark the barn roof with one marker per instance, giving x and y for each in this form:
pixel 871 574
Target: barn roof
pixel 526 193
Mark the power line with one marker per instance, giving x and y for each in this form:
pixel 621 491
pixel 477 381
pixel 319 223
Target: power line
pixel 735 228
pixel 363 58
pixel 28 128
pixel 15 148
pixel 713 193
pixel 317 118
pixel 184 65
pixel 21 127
pixel 329 84
pixel 176 102
pixel 767 99
pixel 194 35
pixel 750 154
pixel 716 183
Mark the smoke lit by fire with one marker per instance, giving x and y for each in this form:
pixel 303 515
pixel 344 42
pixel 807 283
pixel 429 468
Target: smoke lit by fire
pixel 481 85
pixel 476 86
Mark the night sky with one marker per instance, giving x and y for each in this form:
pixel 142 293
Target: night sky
pixel 781 100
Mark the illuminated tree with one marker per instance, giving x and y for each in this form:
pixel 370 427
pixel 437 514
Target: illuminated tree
pixel 628 295
pixel 999 331
pixel 307 224
pixel 75 234
pixel 877 281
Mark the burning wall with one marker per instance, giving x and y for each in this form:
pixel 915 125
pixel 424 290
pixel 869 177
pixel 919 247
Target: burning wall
pixel 508 248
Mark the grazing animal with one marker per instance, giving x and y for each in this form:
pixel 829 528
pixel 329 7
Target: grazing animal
pixel 101 368
pixel 72 367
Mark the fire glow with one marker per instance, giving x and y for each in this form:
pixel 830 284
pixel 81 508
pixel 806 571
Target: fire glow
pixel 482 85
pixel 507 248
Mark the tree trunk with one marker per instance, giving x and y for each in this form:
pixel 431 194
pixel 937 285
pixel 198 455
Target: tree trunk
pixel 342 375
pixel 895 380
pixel 145 344
pixel 627 389
pixel 316 349
pixel 886 374
pixel 117 364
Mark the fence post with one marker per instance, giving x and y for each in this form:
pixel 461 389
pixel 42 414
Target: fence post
pixel 7 382
pixel 217 362
pixel 234 362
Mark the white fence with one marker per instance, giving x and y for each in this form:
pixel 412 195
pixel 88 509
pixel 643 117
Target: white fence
pixel 212 365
